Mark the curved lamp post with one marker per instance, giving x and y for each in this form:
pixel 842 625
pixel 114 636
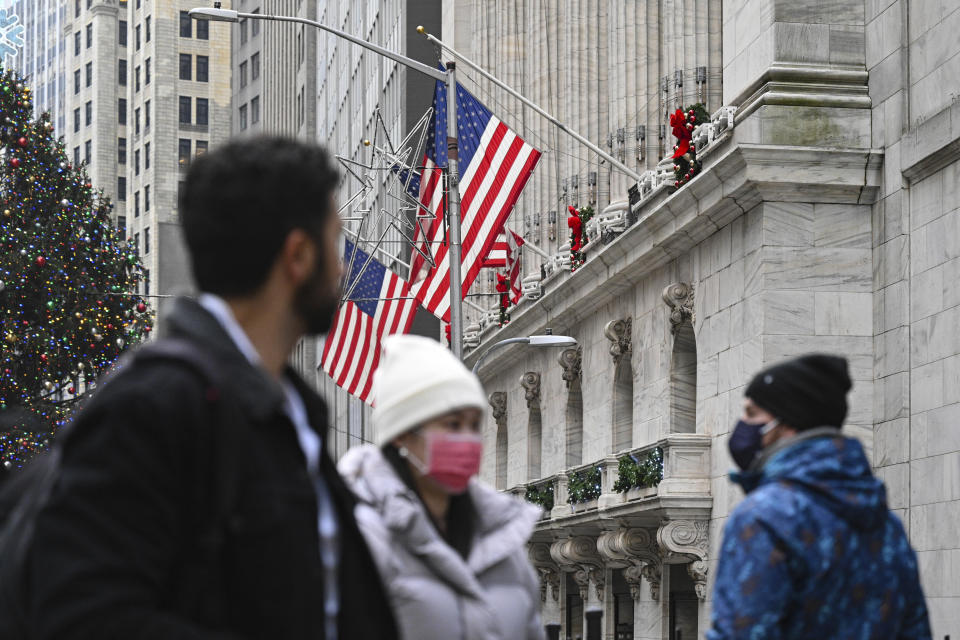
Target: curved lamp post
pixel 548 340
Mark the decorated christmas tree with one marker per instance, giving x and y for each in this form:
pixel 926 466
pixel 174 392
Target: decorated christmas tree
pixel 68 282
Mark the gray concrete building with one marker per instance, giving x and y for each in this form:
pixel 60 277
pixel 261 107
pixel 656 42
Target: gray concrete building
pixel 824 218
pixel 42 59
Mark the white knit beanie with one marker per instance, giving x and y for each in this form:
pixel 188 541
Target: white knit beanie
pixel 419 379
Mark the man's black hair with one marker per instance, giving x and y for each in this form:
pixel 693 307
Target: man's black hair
pixel 240 202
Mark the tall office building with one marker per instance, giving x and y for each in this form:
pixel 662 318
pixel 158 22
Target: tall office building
pixel 137 89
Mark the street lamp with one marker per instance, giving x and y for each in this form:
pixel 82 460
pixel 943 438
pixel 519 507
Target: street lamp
pixel 548 340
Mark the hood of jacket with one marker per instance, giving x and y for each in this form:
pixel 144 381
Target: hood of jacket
pixel 831 468
pixel 503 524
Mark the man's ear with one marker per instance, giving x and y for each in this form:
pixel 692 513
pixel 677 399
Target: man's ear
pixel 299 256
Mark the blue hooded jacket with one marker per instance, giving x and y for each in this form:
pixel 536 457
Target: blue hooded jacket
pixel 813 551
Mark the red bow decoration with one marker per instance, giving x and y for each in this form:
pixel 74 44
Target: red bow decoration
pixel 503 288
pixel 678 121
pixel 576 226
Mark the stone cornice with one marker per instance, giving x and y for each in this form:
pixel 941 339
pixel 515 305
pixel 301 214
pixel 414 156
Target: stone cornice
pixel 735 178
pixel 809 85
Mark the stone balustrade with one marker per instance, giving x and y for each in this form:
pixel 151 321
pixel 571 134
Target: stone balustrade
pixel 683 460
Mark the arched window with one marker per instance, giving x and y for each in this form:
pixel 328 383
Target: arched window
pixel 570 361
pixel 683 380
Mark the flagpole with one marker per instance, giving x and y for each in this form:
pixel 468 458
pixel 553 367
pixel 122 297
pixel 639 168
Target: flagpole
pixel 453 210
pixel 489 76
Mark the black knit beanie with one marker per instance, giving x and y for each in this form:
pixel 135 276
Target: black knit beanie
pixel 806 392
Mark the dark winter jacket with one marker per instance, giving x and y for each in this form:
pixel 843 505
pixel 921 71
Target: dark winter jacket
pixel 813 551
pixel 118 552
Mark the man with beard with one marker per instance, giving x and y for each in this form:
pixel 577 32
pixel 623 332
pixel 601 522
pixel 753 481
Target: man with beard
pixel 200 501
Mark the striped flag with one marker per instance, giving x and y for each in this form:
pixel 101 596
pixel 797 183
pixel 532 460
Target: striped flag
pixel 497 258
pixel 351 351
pixel 513 242
pixel 495 164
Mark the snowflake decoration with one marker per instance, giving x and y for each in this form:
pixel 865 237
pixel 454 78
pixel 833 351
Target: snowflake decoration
pixel 11 34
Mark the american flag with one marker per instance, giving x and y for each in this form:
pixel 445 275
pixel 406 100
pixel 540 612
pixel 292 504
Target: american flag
pixel 495 164
pixel 351 351
pixel 514 242
pixel 497 258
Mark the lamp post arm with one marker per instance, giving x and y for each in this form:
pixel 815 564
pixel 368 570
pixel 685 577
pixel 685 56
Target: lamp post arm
pixel 502 343
pixel 433 72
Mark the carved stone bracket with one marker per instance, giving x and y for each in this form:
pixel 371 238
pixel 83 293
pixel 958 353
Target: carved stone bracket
pixel 530 381
pixel 540 558
pixel 619 333
pixel 571 360
pixel 498 401
pixel 687 541
pixel 637 551
pixel 679 297
pixel 579 554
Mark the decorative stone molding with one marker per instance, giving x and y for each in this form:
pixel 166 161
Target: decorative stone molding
pixel 619 333
pixel 498 402
pixel 576 550
pixel 530 381
pixel 687 541
pixel 637 551
pixel 571 361
pixel 584 575
pixel 539 554
pixel 679 297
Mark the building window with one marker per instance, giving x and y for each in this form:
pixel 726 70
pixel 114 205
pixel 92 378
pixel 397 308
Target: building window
pixel 255 25
pixel 203 69
pixel 243 31
pixel 203 111
pixel 76 151
pixel 136 38
pixel 136 79
pixel 203 30
pixel 146 201
pixel 122 111
pixel 87 151
pixel 89 112
pixel 121 151
pixel 148 29
pixel 146 230
pixel 255 66
pixel 89 35
pixel 136 207
pixel 243 74
pixel 186 25
pixel 121 74
pixel 146 115
pixel 185 108
pixel 147 71
pixel 76 43
pixel 136 121
pixel 136 162
pixel 255 110
pixel 122 190
pixel 76 10
pixel 122 33
pixel 76 82
pixel 146 156
pixel 184 153
pixel 136 236
pixel 122 226
pixel 243 117
pixel 89 74
pixel 76 120
pixel 185 66
pixel 146 282
pixel 202 146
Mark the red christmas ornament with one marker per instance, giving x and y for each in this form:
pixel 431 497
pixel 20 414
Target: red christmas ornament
pixel 22 142
pixel 147 329
pixel 41 261
pixel 141 307
pixel 109 325
pixel 71 389
pixel 15 163
pixel 693 118
pixel 676 183
pixel 43 357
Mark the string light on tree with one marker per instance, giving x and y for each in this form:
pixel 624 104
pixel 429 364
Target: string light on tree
pixel 68 302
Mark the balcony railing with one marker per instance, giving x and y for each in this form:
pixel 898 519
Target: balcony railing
pixel 676 466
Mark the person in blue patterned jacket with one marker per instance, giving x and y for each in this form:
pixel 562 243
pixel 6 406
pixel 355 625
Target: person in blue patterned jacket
pixel 812 551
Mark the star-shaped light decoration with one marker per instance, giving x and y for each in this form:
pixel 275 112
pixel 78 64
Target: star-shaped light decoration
pixel 402 204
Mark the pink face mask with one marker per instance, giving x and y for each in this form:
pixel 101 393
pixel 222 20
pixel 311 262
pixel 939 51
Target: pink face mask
pixel 452 459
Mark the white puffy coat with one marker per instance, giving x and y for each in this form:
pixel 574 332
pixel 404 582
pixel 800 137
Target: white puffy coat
pixel 435 594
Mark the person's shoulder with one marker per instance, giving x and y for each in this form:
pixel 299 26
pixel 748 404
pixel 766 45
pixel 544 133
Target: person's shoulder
pixel 776 503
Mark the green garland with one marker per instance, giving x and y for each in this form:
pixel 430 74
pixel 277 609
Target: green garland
pixel 640 472
pixel 687 166
pixel 583 486
pixel 541 495
pixel 578 258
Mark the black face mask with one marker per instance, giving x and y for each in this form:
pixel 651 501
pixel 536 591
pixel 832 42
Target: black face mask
pixel 746 441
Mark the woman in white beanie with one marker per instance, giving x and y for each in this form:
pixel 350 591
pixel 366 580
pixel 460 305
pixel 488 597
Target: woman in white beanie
pixel 451 551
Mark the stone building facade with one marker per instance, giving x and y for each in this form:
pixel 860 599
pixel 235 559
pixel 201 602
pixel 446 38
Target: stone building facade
pixel 824 218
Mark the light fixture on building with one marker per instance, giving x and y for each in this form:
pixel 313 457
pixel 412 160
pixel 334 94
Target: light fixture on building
pixel 701 84
pixel 552 225
pixel 641 141
pixel 621 143
pixel 575 187
pixel 592 184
